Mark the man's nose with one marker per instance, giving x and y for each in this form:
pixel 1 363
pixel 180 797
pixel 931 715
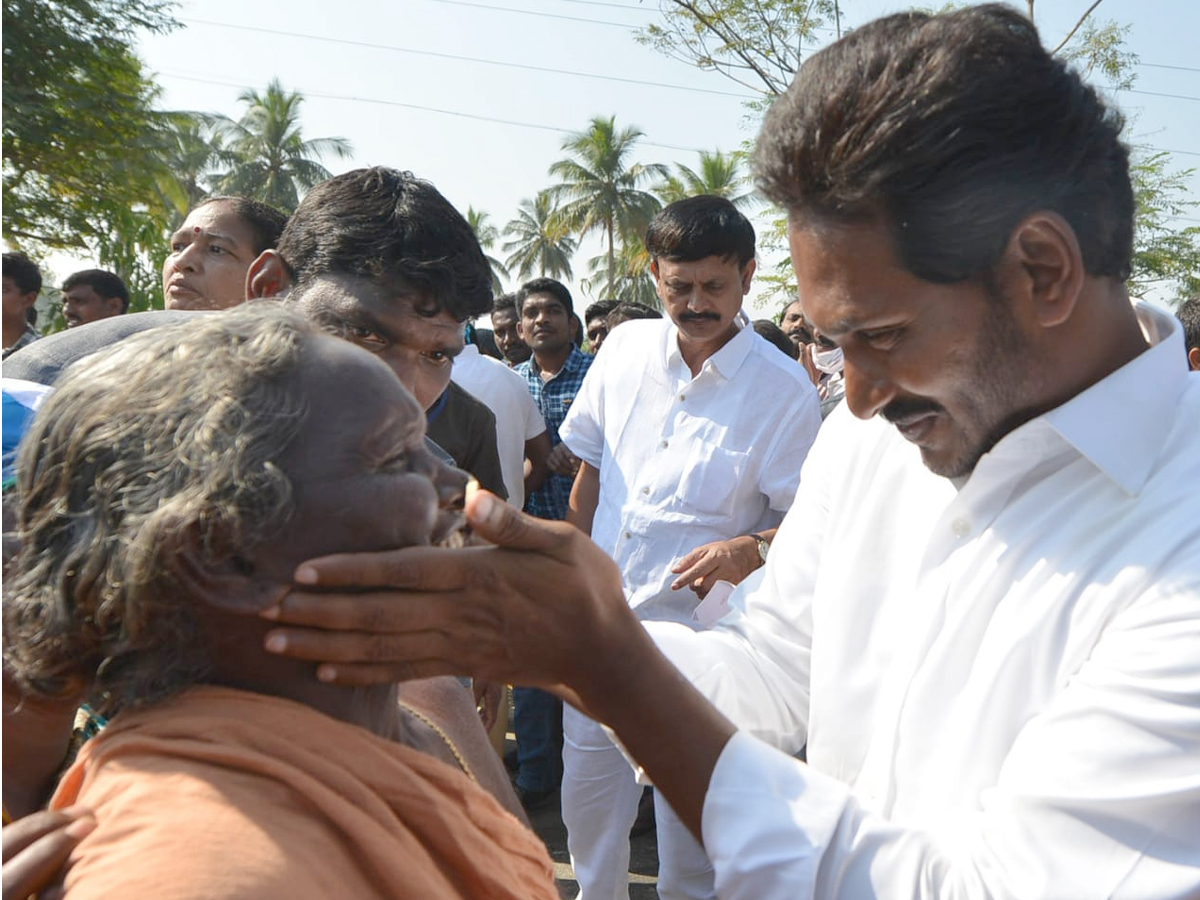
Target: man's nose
pixel 868 389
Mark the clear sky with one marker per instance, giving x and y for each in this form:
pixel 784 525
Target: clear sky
pixel 477 96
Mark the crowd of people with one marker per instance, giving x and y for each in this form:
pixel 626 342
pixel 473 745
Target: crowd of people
pixel 896 595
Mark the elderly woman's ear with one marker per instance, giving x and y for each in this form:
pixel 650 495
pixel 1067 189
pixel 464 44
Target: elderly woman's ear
pixel 227 582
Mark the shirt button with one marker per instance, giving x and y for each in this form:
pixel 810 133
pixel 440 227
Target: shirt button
pixel 683 396
pixel 663 445
pixel 645 490
pixel 961 528
pixel 628 535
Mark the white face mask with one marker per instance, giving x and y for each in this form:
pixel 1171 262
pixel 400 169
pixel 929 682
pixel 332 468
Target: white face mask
pixel 827 361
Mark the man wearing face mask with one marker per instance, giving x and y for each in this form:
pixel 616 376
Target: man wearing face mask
pixel 827 360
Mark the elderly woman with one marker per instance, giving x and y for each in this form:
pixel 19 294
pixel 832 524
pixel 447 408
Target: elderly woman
pixel 168 489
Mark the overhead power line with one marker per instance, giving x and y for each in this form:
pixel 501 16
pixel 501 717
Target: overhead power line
pixel 473 59
pixel 419 107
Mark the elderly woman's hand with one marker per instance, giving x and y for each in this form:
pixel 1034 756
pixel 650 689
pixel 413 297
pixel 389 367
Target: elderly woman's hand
pixel 36 847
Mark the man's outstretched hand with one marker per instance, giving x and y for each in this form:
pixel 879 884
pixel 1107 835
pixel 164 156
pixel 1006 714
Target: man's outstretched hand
pixel 537 608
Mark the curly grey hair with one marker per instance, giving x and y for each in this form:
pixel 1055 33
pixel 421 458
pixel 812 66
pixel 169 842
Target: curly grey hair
pixel 169 436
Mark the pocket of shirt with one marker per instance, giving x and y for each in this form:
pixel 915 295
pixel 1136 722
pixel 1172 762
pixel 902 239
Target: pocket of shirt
pixel 709 482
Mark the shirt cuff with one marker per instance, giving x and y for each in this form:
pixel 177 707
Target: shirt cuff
pixel 767 820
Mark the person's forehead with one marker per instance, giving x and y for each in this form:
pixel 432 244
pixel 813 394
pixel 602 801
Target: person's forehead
pixel 406 313
pixel 218 218
pixel 699 269
pixel 542 301
pixel 506 315
pixel 81 292
pixel 330 371
pixel 849 274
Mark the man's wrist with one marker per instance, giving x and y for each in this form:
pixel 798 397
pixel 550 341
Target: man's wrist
pixel 760 546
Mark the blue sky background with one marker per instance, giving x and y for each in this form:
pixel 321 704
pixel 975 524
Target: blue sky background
pixel 477 96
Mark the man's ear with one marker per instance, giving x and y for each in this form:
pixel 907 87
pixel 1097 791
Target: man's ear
pixel 267 276
pixel 226 584
pixel 1042 268
pixel 1194 359
pixel 747 275
pixel 114 305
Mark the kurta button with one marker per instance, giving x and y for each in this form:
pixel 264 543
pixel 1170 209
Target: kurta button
pixel 663 445
pixel 645 490
pixel 628 535
pixel 683 396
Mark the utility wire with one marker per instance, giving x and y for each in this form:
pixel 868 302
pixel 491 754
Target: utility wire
pixel 432 109
pixel 473 59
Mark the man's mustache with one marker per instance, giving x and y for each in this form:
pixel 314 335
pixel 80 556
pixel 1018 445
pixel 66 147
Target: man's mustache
pixel 697 316
pixel 909 409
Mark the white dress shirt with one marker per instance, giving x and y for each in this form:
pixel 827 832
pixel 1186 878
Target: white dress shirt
pixel 686 461
pixel 999 684
pixel 518 418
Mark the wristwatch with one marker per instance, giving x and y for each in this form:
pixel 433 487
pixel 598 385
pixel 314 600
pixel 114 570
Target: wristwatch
pixel 763 546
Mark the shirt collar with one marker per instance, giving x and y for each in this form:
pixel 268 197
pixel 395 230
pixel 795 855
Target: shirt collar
pixel 1120 424
pixel 572 364
pixel 726 361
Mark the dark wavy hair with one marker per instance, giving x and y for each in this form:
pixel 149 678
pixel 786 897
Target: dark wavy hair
pixel 950 128
pixel 381 223
pixel 167 436
pixel 699 227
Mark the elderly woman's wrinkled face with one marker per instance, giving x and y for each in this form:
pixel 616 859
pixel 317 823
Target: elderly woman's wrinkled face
pixel 362 476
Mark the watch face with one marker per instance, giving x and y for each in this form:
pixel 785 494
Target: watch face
pixel 763 547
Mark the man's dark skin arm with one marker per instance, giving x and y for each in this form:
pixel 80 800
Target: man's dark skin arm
pixel 543 608
pixel 585 496
pixel 537 452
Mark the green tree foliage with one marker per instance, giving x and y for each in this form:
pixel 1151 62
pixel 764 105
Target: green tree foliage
pixel 601 190
pixel 487 234
pixel 633 283
pixel 539 243
pixel 757 43
pixel 272 161
pixel 720 174
pixel 82 144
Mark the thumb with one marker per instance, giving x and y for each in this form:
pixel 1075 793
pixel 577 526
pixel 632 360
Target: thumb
pixel 506 526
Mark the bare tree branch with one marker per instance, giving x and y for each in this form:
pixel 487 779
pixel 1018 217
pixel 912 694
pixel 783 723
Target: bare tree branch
pixel 1071 33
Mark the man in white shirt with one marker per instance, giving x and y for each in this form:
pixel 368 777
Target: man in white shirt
pixel 520 430
pixel 691 431
pixel 982 621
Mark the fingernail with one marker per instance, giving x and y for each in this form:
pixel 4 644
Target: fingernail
pixel 271 612
pixel 306 575
pixel 326 673
pixel 81 827
pixel 275 643
pixel 485 507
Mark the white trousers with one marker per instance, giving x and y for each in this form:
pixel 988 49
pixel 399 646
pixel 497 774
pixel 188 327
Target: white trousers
pixel 599 804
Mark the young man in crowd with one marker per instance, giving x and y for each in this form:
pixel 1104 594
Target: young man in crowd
pixel 91 295
pixel 981 612
pixel 553 375
pixel 691 432
pixel 595 319
pixel 22 284
pixel 505 319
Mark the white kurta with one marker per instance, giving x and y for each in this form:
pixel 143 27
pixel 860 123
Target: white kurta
pixel 999 684
pixel 686 461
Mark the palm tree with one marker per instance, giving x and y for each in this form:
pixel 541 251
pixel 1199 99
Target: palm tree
pixel 603 191
pixel 487 234
pixel 273 162
pixel 539 243
pixel 633 284
pixel 193 151
pixel 720 174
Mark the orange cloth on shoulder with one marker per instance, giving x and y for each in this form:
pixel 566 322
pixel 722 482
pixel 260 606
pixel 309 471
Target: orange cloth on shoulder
pixel 219 793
